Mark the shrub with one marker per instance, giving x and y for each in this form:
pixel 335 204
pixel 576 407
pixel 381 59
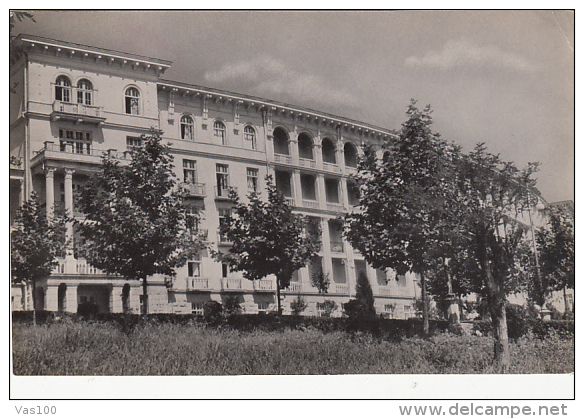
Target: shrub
pixel 231 305
pixel 298 305
pixel 327 307
pixel 320 281
pixel 212 311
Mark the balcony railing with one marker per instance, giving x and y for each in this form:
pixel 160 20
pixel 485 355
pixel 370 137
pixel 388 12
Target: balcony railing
pixel 197 284
pixel 332 206
pixel 341 288
pixel 71 148
pixel 290 201
pixel 351 170
pixel 307 163
pixel 75 266
pixel 283 158
pixel 331 167
pixel 231 284
pixel 77 109
pixel 309 203
pixel 223 193
pixel 193 189
pixel 266 285
pixel 337 247
pixel 294 287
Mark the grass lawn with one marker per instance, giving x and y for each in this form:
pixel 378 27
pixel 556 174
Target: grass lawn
pixel 91 348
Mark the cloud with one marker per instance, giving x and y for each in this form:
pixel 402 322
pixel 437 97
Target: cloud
pixel 463 53
pixel 271 77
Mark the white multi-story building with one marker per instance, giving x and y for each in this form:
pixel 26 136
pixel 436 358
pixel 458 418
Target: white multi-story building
pixel 71 103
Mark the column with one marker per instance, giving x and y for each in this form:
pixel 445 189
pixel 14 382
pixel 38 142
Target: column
pixel 50 191
pixel 51 298
pixel 69 210
pixel 297 187
pixel 318 151
pixel 344 198
pixel 71 299
pixel 341 155
pixel 326 249
pixel 320 190
pixel 293 143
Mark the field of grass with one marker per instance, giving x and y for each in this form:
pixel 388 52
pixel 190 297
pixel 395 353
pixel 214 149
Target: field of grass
pixel 91 348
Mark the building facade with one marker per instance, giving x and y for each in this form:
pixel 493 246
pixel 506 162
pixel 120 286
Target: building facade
pixel 70 104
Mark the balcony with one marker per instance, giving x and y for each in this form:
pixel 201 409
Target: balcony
pixel 83 154
pixel 76 267
pixel 294 287
pixel 223 240
pixel 282 158
pixel 335 206
pixel 77 112
pixel 231 284
pixel 340 288
pixel 331 167
pixel 290 201
pixel 197 284
pixel 264 285
pixel 193 190
pixel 337 247
pixel 309 203
pixel 222 194
pixel 307 163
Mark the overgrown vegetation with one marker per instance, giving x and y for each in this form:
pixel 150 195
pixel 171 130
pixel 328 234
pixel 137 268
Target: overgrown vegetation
pixel 152 348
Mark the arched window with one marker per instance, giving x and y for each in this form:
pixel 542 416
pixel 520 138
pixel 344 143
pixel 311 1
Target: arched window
pixel 281 142
pixel 85 92
pixel 328 151
pixel 63 89
pixel 350 155
pixel 186 128
pixel 219 131
pixel 249 135
pixel 305 146
pixel 132 101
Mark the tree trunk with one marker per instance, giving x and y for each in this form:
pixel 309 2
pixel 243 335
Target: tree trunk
pixel 278 296
pixel 566 305
pixel 426 321
pixel 144 296
pixel 34 308
pixel 499 318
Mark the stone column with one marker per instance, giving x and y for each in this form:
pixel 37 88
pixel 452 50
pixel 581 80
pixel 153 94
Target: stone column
pixel 320 191
pixel 318 152
pixel 51 298
pixel 71 299
pixel 344 198
pixel 326 249
pixel 69 210
pixel 297 187
pixel 341 155
pixel 50 191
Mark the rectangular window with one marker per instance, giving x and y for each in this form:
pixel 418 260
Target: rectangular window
pixel 198 308
pixel 190 171
pixel 78 142
pixel 194 268
pixel 222 172
pixel 133 143
pixel 263 307
pixel 224 270
pixel 252 179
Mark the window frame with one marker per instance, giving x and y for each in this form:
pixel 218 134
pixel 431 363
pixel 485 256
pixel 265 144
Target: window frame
pixel 253 174
pixel 128 105
pixel 220 131
pixel 63 90
pixel 84 93
pixel 186 121
pixel 250 136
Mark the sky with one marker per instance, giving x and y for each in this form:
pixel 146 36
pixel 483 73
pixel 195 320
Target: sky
pixel 505 78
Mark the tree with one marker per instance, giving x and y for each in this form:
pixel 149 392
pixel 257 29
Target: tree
pixel 364 294
pixel 488 193
pixel 35 243
pixel 556 252
pixel 20 16
pixel 320 281
pixel 267 239
pixel 400 225
pixel 136 223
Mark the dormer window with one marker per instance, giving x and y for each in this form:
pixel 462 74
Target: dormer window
pixel 132 101
pixel 63 89
pixel 85 92
pixel 186 127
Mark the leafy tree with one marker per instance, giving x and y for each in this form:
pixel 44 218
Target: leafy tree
pixel 321 281
pixel 556 252
pixel 19 15
pixel 136 224
pixel 488 193
pixel 232 305
pixel 364 294
pixel 400 225
pixel 267 239
pixel 298 305
pixel 35 244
